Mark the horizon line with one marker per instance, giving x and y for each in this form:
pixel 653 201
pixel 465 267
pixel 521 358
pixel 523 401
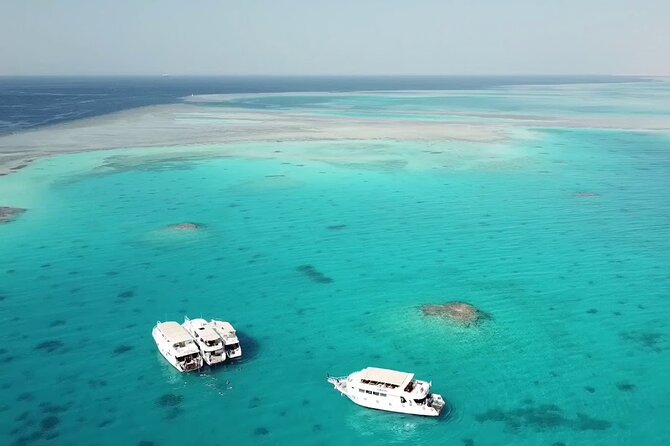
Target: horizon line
pixel 183 75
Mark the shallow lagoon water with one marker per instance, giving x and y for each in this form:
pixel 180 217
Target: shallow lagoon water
pixel 564 241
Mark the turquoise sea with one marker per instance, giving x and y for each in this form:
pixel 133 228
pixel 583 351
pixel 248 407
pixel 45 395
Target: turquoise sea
pixel 563 237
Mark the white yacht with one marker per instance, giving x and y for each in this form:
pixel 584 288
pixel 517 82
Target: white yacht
pixel 229 336
pixel 177 346
pixel 389 390
pixel 207 339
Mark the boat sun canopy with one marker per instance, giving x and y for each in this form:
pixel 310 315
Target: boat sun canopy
pixel 391 378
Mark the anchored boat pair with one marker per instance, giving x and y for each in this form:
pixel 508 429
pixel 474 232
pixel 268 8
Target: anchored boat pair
pixel 188 345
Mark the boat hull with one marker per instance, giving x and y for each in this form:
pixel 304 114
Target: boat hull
pixel 212 360
pixel 386 404
pixel 408 408
pixel 234 354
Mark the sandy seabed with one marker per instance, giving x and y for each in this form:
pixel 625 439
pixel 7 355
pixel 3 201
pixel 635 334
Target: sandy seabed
pixel 207 128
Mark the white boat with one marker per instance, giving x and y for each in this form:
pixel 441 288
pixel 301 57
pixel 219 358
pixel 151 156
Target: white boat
pixel 389 390
pixel 177 346
pixel 229 336
pixel 207 339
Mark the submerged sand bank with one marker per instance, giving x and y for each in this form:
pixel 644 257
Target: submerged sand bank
pixel 188 124
pixel 204 122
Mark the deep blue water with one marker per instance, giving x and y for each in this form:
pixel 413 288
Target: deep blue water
pixel 29 102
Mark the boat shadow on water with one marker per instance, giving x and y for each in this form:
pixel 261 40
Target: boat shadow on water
pixel 393 427
pixel 250 350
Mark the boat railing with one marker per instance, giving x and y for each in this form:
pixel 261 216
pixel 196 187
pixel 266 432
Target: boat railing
pixel 336 379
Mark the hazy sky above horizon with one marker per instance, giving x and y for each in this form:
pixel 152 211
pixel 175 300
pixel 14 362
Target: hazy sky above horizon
pixel 334 37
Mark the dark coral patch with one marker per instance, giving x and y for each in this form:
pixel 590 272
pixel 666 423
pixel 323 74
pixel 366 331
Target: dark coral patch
pixel 647 339
pixel 126 294
pixel 187 226
pixel 260 431
pixel 53 408
pixel 542 417
pixel 313 274
pixel 25 396
pixel 121 349
pixel 30 438
pixel 9 214
pixel 49 422
pixel 105 422
pixel 586 423
pixel 22 416
pixel 50 346
pixel 51 435
pixel 336 227
pixel 590 389
pixel 169 400
pixel 625 387
pixel 172 413
pixel 97 383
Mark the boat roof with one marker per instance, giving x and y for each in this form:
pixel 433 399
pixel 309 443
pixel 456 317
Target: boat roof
pixel 223 325
pixel 386 376
pixel 174 332
pixel 208 334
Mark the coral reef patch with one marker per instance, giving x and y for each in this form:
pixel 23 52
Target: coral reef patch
pixel 169 400
pixel 458 312
pixel 313 274
pixel 186 226
pixel 542 417
pixel 9 214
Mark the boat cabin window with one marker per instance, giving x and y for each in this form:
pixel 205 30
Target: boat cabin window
pixel 409 387
pixel 211 343
pixel 378 383
pixel 368 391
pixel 188 358
pixel 232 346
pixel 375 393
pixel 180 345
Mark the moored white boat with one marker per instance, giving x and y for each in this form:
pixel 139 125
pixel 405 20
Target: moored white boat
pixel 229 336
pixel 207 339
pixel 177 346
pixel 389 390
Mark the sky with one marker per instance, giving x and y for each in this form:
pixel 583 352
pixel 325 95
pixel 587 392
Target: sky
pixel 336 37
